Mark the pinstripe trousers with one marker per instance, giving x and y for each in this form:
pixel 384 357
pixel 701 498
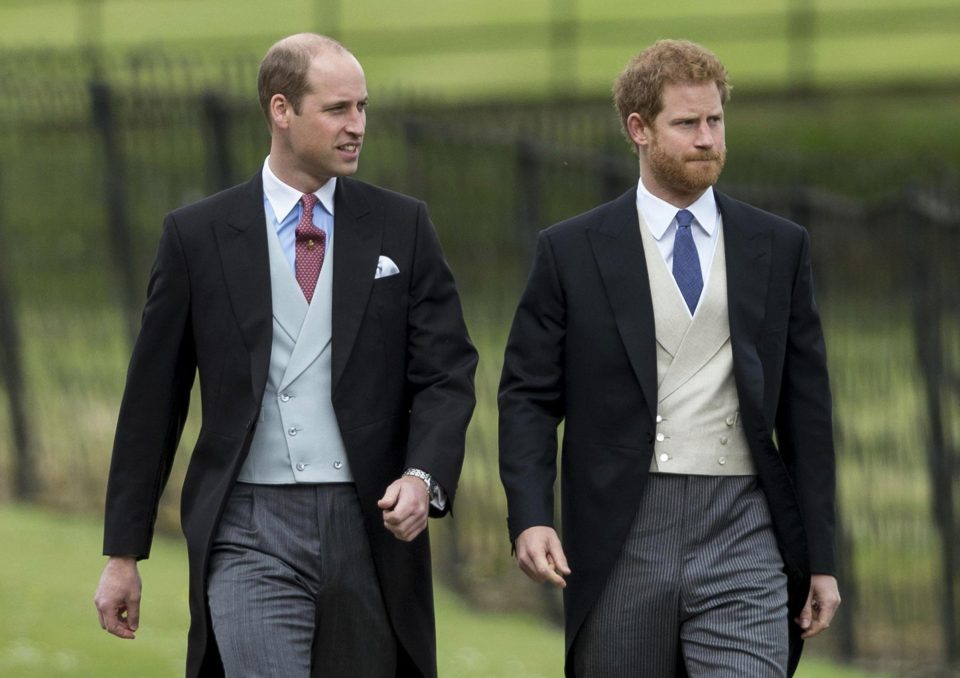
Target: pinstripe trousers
pixel 697 590
pixel 292 588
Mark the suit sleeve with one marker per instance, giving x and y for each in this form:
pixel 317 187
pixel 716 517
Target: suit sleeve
pixel 154 405
pixel 804 418
pixel 440 366
pixel 531 399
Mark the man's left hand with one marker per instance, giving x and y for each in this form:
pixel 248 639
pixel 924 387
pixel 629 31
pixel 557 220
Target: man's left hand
pixel 405 505
pixel 822 604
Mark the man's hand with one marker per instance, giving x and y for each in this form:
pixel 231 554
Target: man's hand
pixel 405 505
pixel 822 604
pixel 540 555
pixel 118 597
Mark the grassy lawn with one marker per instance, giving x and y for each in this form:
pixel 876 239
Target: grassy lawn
pixel 52 563
pixel 479 47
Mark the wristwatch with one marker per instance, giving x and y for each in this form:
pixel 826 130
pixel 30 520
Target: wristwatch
pixel 433 489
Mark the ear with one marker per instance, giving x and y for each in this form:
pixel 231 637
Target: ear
pixel 280 111
pixel 638 130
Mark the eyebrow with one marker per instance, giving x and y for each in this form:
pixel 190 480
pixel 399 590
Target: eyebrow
pixel 345 102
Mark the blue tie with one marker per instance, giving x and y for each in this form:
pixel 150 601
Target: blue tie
pixel 686 261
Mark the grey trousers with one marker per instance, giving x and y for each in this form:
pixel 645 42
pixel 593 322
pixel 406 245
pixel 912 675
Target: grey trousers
pixel 292 588
pixel 698 589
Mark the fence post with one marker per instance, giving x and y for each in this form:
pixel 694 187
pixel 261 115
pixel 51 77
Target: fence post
pixel 801 21
pixel 217 121
pixel 327 20
pixel 930 305
pixel 563 47
pixel 119 238
pixel 25 482
pixel 529 217
pixel 802 210
pixel 612 179
pixel 413 136
pixel 846 621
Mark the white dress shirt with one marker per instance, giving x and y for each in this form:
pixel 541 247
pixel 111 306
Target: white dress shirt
pixel 661 219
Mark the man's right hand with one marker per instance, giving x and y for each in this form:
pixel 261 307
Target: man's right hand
pixel 540 555
pixel 118 597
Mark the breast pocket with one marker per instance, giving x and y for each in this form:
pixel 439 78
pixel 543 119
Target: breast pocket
pixel 389 298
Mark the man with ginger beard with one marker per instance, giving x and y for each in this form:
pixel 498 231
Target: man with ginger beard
pixel 336 381
pixel 674 332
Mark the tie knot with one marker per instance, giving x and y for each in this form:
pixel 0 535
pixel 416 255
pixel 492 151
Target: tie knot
pixel 684 218
pixel 309 201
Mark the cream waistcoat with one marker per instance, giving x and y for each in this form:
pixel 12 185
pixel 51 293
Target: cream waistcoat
pixel 698 424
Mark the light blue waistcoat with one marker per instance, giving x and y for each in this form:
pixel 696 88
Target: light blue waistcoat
pixel 297 439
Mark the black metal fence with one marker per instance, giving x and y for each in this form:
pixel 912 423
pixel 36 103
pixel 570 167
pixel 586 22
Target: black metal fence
pixel 88 167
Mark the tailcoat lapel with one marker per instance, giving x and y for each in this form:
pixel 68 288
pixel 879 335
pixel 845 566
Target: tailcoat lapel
pixel 242 240
pixel 748 252
pixel 618 251
pixel 358 234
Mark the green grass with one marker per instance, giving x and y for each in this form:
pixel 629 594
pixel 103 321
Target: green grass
pixel 478 47
pixel 49 626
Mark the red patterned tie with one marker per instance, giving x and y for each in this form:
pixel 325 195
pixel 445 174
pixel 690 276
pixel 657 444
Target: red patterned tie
pixel 311 246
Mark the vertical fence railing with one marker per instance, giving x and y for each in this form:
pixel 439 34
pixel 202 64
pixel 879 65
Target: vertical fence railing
pixel 26 485
pixel 216 116
pixel 936 263
pixel 801 36
pixel 119 224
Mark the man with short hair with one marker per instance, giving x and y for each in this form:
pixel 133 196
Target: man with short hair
pixel 675 334
pixel 336 378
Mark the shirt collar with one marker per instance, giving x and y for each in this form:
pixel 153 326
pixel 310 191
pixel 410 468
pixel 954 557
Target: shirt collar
pixel 659 214
pixel 284 198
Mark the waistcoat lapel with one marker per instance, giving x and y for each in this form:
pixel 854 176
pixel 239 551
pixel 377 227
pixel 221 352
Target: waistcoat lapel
pixel 289 304
pixel 708 330
pixel 314 335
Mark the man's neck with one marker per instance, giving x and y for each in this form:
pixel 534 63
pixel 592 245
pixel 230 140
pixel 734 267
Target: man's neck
pixel 294 178
pixel 679 199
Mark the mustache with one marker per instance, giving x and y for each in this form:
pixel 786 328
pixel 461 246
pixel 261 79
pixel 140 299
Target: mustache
pixel 714 156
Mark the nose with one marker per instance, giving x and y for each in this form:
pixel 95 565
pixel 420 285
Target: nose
pixel 704 136
pixel 357 122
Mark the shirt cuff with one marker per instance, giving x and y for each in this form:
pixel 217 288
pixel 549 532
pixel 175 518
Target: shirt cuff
pixel 438 498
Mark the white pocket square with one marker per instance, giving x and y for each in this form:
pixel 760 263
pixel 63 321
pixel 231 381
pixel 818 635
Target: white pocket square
pixel 385 268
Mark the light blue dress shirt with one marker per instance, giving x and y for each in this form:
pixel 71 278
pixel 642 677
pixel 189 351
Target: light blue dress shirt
pixel 283 209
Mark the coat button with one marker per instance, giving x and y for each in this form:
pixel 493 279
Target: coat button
pixel 722 461
pixel 338 464
pixel 664 457
pixel 659 419
pixel 729 421
pixel 723 440
pixel 301 466
pixel 284 397
pixel 293 430
pixel 659 437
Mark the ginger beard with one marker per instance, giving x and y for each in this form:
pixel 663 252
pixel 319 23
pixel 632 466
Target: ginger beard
pixel 688 173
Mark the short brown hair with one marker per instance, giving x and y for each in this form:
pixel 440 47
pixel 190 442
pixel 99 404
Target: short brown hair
pixel 284 68
pixel 639 88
